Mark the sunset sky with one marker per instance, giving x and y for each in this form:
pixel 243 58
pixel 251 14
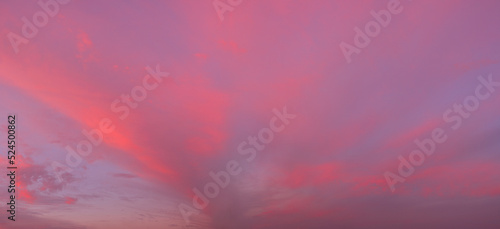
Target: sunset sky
pixel 227 79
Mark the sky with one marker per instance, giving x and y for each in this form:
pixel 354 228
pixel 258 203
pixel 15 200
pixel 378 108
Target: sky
pixel 251 114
